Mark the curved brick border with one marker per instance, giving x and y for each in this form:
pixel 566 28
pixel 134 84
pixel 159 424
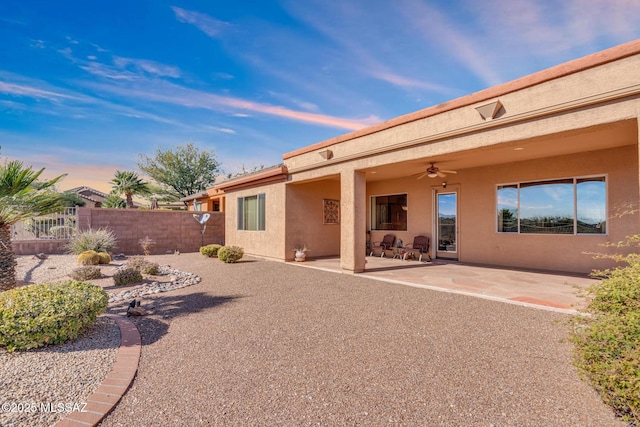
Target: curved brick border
pixel 115 385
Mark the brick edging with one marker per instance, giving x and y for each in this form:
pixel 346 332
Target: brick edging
pixel 116 383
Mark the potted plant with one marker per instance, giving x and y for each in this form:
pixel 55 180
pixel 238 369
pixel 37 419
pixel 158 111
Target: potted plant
pixel 300 253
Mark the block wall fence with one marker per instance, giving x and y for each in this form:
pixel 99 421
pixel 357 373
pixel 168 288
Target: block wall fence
pixel 171 230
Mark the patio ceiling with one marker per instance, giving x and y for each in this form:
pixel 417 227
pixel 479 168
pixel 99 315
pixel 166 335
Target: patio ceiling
pixel 583 140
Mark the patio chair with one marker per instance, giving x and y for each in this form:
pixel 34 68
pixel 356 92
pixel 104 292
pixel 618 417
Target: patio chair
pixel 385 245
pixel 420 245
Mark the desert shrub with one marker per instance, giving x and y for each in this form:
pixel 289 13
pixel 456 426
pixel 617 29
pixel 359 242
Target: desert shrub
pixel 607 336
pixel 126 276
pixel 230 254
pixel 87 272
pixel 89 258
pixel 142 265
pixel 99 240
pixel 40 314
pixel 210 251
pixel 105 258
pixel 146 244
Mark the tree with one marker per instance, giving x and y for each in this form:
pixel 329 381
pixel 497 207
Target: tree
pixel 113 200
pixel 72 199
pixel 129 184
pixel 182 171
pixel 20 199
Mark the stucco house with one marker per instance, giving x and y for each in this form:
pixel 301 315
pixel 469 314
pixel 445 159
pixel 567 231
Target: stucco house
pixel 533 173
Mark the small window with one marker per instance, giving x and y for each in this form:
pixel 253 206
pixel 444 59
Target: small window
pixel 389 212
pixel 251 212
pixel 216 206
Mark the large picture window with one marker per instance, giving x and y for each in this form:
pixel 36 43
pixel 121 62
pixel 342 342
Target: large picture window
pixel 251 212
pixel 561 206
pixel 389 212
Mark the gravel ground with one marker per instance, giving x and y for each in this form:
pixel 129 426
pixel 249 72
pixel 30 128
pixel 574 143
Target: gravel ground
pixel 265 343
pixel 57 375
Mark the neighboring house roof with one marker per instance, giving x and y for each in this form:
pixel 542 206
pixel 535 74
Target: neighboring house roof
pixel 571 67
pixel 89 193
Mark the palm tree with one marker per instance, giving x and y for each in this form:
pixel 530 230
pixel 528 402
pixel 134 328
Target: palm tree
pixel 22 196
pixel 129 184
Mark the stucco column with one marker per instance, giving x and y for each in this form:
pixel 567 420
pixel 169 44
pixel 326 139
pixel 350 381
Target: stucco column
pixel 353 222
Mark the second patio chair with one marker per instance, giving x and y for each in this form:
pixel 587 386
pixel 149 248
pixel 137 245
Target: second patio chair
pixel 420 245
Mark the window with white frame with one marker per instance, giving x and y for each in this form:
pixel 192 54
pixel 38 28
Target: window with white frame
pixel 389 212
pixel 559 206
pixel 251 212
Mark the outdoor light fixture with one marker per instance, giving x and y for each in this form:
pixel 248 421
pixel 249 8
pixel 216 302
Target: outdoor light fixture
pixel 444 185
pixel 489 111
pixel 326 154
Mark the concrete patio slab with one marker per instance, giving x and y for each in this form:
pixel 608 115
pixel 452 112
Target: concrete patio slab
pixel 540 289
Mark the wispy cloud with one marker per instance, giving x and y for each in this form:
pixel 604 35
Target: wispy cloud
pixel 31 90
pixel 149 67
pixel 162 91
pixel 402 81
pixel 208 25
pixel 436 29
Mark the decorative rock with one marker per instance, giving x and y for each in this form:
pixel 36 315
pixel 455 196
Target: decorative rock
pixel 120 256
pixel 178 279
pixel 137 311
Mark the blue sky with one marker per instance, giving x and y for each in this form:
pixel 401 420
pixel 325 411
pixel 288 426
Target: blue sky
pixel 86 86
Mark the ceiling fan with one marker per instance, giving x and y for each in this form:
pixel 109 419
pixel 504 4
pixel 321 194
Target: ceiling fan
pixel 434 172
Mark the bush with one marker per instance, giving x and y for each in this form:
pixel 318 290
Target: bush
pixel 41 314
pixel 607 338
pixel 230 254
pixel 210 251
pixel 99 240
pixel 142 265
pixel 146 244
pixel 105 258
pixel 89 258
pixel 87 272
pixel 127 276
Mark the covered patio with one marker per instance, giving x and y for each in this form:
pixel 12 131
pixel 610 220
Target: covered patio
pixel 547 290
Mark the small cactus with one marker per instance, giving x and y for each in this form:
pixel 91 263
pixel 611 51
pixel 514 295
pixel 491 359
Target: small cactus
pixel 105 258
pixel 89 258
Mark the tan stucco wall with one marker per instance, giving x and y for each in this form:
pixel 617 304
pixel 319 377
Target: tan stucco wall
pixel 305 225
pixel 480 243
pixel 419 200
pixel 269 243
pixel 478 240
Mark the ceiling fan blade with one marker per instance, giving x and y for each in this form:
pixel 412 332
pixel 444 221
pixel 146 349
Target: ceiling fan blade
pixel 422 176
pixel 449 171
pixel 441 174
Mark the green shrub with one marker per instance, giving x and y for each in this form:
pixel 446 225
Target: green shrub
pixel 87 272
pixel 142 265
pixel 89 258
pixel 230 254
pixel 40 314
pixel 607 338
pixel 99 240
pixel 210 251
pixel 127 276
pixel 105 258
